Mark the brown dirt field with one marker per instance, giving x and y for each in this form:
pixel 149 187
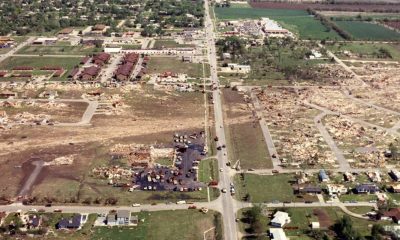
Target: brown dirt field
pixel 70 113
pixel 323 218
pixel 152 117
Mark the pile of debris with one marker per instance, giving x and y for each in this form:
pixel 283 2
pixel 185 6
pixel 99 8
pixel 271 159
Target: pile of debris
pixel 352 136
pixel 65 160
pixel 115 173
pixel 138 155
pixel 32 119
pixel 291 122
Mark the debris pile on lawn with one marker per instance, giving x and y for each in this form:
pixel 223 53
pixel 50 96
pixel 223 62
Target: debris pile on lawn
pixel 64 160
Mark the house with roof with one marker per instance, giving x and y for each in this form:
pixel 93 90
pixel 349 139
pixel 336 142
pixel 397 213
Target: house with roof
pixel 124 72
pixel 277 234
pixel 34 221
pixel 336 189
pixel 307 189
pixel 393 214
pixel 89 73
pixel 369 188
pixel 66 31
pixel 70 223
pixel 8 94
pixel 395 188
pixel 395 175
pixel 99 29
pixel 131 58
pixel 121 218
pixel 323 177
pixel 101 59
pixel 280 219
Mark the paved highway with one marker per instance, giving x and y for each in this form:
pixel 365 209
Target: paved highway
pixel 228 204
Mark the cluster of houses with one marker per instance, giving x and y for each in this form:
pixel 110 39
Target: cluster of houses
pixel 279 220
pixel 34 221
pixel 303 186
pixel 125 69
pixel 90 73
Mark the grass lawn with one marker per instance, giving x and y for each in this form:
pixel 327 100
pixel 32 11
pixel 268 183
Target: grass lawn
pixel 360 209
pixel 297 21
pixel 59 50
pixel 208 170
pixel 265 188
pixel 163 64
pixel 169 43
pixel 368 31
pixel 164 161
pixel 366 50
pixel 180 224
pixel 358 197
pixel 98 188
pixel 36 62
pixel 245 139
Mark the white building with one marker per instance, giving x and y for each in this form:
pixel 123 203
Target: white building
pixel 280 219
pixel 395 175
pixel 277 234
pixel 112 49
pixel 45 40
pixel 336 189
pixel 272 29
pixel 315 225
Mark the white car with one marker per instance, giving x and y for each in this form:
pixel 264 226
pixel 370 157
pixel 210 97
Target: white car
pixel 221 169
pixel 136 205
pixel 32 210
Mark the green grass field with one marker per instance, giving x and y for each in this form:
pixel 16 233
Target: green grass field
pixel 368 31
pixel 163 64
pixel 168 43
pixel 58 50
pixel 297 21
pixel 36 62
pixel 180 224
pixel 366 50
pixel 265 188
pixel 208 170
pixel 245 139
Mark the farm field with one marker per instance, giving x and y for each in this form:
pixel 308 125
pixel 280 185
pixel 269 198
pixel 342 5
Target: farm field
pixel 297 21
pixel 368 31
pixel 175 65
pixel 180 224
pixel 366 7
pixel 366 50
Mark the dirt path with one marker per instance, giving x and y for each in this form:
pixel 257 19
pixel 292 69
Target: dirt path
pixel 32 178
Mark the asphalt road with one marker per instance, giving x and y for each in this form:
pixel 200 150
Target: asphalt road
pixel 342 161
pixel 228 204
